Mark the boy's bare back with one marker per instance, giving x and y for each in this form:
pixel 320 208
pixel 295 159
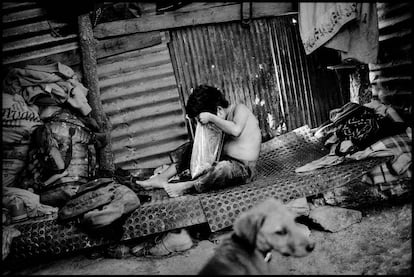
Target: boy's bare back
pixel 246 146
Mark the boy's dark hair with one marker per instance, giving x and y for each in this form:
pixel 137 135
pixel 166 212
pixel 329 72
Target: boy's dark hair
pixel 205 99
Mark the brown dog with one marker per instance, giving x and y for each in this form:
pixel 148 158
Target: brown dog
pixel 266 227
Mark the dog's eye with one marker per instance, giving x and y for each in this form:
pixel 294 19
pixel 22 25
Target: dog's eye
pixel 281 232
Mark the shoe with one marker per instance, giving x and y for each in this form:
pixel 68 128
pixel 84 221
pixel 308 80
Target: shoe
pixel 172 242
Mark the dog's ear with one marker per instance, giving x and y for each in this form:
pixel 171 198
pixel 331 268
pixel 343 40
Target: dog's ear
pixel 247 226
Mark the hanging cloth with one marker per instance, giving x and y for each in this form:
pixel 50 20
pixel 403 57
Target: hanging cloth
pixel 351 28
pixel 321 21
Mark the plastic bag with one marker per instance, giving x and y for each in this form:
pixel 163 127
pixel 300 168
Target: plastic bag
pixel 208 142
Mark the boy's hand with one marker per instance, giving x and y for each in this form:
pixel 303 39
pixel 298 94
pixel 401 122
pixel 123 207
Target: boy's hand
pixel 204 117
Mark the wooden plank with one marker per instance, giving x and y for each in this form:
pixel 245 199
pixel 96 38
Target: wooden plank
pixel 134 54
pixel 194 6
pixel 31 28
pixel 384 12
pixel 397 34
pixel 143 126
pixel 16 5
pixel 182 19
pixel 35 41
pixel 389 79
pixel 151 137
pixel 110 47
pixel 158 148
pixel 138 114
pixel 395 63
pixel 70 58
pixel 134 76
pixel 139 101
pixel 40 53
pixel 133 89
pixel 104 49
pixel 22 15
pixel 133 63
pixel 391 22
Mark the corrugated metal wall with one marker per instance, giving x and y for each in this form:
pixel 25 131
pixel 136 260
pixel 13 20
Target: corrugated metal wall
pixel 394 68
pixel 27 37
pixel 263 66
pixel 225 55
pixel 139 94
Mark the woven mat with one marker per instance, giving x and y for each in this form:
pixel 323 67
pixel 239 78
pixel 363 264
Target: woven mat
pixel 278 159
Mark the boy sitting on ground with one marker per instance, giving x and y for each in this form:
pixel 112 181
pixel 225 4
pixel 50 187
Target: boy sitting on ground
pixel 241 145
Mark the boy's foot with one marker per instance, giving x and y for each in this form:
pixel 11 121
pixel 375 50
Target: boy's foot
pixel 177 189
pixel 154 182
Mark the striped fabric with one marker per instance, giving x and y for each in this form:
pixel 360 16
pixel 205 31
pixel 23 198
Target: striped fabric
pixel 397 168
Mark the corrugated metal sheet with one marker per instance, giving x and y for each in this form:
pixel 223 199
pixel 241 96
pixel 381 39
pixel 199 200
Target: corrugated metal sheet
pixel 226 56
pixel 139 94
pixel 27 37
pixel 310 90
pixel 394 68
pixel 263 66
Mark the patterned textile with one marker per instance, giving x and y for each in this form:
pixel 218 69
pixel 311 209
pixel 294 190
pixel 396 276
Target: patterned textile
pixel 320 22
pixel 350 28
pixel 398 168
pixel 362 130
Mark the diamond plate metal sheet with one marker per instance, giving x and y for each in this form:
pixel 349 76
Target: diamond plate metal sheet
pixel 48 237
pixel 222 208
pixel 284 153
pixel 164 215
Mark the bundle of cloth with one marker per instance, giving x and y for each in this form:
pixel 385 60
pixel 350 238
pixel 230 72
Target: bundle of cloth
pixel 46 131
pixel 356 132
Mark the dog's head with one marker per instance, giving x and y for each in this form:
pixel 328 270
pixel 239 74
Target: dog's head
pixel 271 226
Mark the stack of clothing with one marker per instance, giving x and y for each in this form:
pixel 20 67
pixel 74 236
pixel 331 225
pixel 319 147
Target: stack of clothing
pixel 46 124
pixel 358 132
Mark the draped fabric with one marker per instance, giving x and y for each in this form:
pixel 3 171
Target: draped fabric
pixel 350 28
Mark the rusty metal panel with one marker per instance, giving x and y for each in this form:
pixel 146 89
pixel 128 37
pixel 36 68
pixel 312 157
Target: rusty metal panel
pixel 139 94
pixel 263 66
pixel 309 90
pixel 394 67
pixel 232 58
pixel 29 36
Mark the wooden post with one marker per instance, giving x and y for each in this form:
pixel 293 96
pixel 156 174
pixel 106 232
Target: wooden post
pixel 88 45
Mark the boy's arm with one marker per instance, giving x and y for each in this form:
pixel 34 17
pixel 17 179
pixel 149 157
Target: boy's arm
pixel 234 127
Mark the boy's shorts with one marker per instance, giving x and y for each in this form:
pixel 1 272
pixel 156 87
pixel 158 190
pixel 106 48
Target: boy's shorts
pixel 224 173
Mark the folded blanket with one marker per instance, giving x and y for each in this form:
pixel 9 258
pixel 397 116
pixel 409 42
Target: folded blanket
pixel 399 167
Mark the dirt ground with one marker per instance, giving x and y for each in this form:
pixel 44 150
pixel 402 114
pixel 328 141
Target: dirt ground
pixel 379 244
